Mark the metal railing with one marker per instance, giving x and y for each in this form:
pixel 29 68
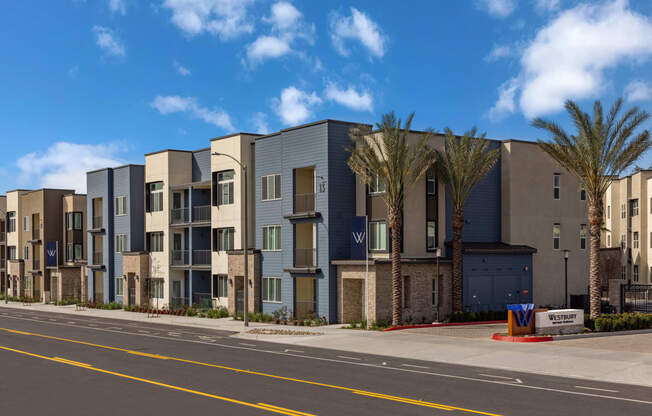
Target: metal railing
pixel 179 257
pixel 2 236
pixel 97 222
pixel 304 202
pixel 36 234
pixel 178 302
pixel 304 257
pixel 98 258
pixel 201 257
pixel 36 264
pixel 3 263
pixel 180 215
pixel 202 300
pixel 638 298
pixel 305 309
pixel 201 213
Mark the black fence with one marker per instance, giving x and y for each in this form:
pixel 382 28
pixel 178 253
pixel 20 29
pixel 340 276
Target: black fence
pixel 637 298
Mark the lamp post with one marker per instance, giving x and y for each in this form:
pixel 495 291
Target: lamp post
pixel 566 279
pixel 436 302
pixel 244 240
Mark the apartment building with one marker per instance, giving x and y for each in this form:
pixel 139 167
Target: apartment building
pixel 177 227
pixel 3 243
pixel 35 238
pixel 627 213
pixel 227 213
pixel 115 224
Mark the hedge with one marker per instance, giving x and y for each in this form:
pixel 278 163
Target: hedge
pixel 620 322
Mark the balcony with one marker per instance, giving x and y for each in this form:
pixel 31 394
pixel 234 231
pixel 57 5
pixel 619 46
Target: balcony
pixel 98 258
pixel 201 213
pixel 36 264
pixel 305 257
pixel 180 258
pixel 97 222
pixel 3 263
pixel 304 203
pixel 201 257
pixel 180 215
pixel 2 236
pixel 36 236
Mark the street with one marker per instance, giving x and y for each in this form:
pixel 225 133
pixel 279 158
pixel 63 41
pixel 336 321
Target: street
pixel 61 364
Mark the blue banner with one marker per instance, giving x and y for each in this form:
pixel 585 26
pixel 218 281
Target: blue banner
pixel 51 254
pixel 358 238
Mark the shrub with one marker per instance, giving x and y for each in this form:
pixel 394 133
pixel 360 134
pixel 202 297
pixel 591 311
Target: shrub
pixel 621 322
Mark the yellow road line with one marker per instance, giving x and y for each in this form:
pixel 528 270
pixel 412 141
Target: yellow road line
pixel 268 408
pixel 294 412
pixel 405 400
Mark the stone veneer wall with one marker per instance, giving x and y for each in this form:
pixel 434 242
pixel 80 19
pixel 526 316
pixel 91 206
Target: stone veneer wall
pixel 236 270
pixel 135 266
pixel 68 282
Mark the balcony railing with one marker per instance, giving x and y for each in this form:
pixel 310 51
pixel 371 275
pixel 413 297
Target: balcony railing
pixel 304 202
pixel 304 257
pixel 3 263
pixel 179 215
pixel 97 222
pixel 179 257
pixel 98 258
pixel 201 257
pixel 36 264
pixel 201 213
pixel 2 236
pixel 36 234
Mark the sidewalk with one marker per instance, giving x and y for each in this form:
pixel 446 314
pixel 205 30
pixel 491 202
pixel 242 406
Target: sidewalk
pixel 559 358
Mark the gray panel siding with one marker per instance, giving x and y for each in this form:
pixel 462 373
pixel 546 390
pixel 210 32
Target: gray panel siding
pixel 137 208
pixel 491 281
pixel 100 185
pixel 482 210
pixel 201 166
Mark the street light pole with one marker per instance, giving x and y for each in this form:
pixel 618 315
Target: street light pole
pixel 437 253
pixel 566 279
pixel 244 240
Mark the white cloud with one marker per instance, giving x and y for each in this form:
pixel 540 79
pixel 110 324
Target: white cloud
pixel 497 8
pixel 498 52
pixel 547 5
pixel 286 25
pixel 227 19
pixel 105 39
pixel 638 91
pixel 359 101
pixel 259 120
pixel 118 6
pixel 505 104
pixel 176 104
pixel 64 164
pixel 181 70
pixel 358 26
pixel 567 58
pixel 295 105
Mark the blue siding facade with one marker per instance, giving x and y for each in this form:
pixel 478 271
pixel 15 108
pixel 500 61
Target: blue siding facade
pixel 320 145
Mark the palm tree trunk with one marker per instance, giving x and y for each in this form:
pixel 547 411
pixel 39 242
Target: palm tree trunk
pixel 396 227
pixel 595 221
pixel 458 224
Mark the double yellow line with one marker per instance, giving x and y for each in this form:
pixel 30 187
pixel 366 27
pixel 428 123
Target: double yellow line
pixel 296 380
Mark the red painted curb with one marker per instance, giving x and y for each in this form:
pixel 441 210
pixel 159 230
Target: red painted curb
pixel 396 328
pixel 507 338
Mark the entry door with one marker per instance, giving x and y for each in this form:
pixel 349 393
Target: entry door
pixel 305 297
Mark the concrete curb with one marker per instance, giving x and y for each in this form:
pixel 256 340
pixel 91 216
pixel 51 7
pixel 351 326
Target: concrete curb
pixel 398 328
pixel 507 338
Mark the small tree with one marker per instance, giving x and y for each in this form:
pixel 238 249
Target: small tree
pixel 461 166
pixel 387 157
pixel 599 152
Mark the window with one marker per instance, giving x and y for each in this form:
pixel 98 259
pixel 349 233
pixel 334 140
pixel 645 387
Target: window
pixel 78 252
pixel 609 240
pixel 271 187
pixel 272 237
pixel 73 221
pixel 157 288
pixel 431 182
pixel 635 239
pixel 155 242
pixel 582 194
pixel 431 210
pixel 26 253
pixel 651 242
pixel 608 212
pixel 556 179
pixel 435 301
pixel 431 243
pixel 378 235
pixel 220 286
pixel 634 203
pixel 78 221
pixel 223 239
pixel 623 242
pixel 25 223
pixel 271 289
pixel 556 235
pixel 120 243
pixel 154 197
pixel 583 236
pixel 623 211
pixel 636 273
pixel 119 286
pixel 406 292
pixel 11 222
pixel 70 252
pixel 11 253
pixel 121 205
pixel 377 185
pixel 623 272
pixel 224 187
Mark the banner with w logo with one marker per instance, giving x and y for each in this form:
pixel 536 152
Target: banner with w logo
pixel 51 252
pixel 358 238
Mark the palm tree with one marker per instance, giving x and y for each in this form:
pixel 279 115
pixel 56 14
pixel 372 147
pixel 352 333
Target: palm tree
pixel 599 152
pixel 461 165
pixel 387 157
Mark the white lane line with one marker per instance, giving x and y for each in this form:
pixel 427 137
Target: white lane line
pixel 247 345
pixel 116 328
pixel 595 388
pixel 174 334
pixel 53 320
pixel 348 358
pixel 299 351
pixel 414 366
pixel 72 323
pixel 518 380
pixel 406 370
pixel 143 331
pixel 93 325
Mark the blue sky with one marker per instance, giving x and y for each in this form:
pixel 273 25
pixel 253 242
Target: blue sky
pixel 90 84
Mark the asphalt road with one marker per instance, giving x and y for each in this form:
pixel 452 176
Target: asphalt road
pixel 56 364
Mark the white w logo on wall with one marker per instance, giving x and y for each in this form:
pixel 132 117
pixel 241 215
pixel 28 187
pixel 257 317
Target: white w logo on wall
pixel 52 253
pixel 359 237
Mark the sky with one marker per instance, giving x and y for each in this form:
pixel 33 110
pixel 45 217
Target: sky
pixel 87 84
